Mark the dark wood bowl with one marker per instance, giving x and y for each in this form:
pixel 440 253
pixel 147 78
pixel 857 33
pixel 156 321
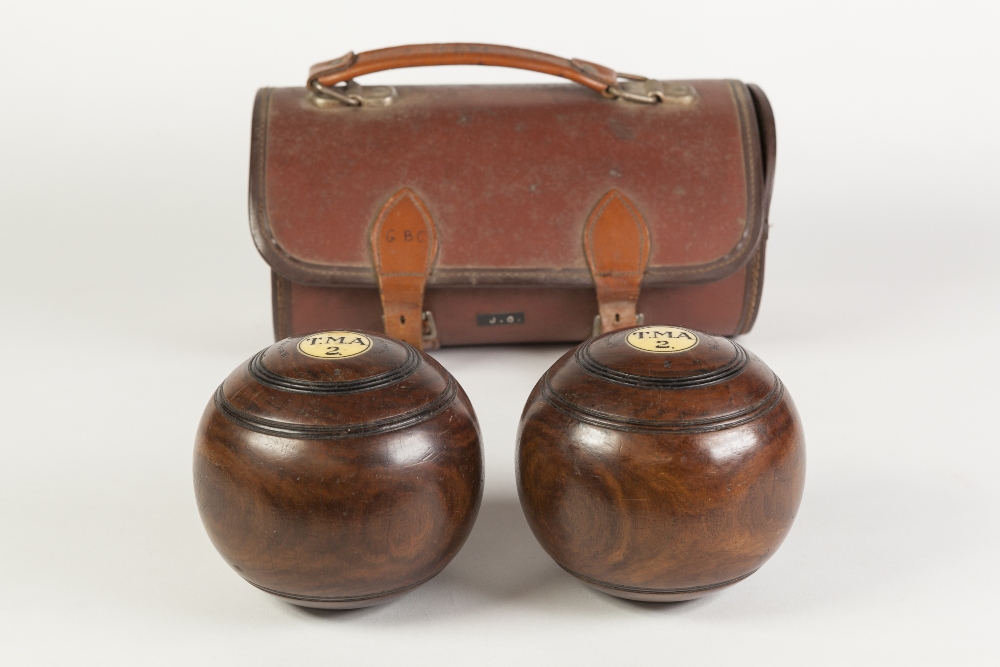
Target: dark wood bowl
pixel 339 469
pixel 660 463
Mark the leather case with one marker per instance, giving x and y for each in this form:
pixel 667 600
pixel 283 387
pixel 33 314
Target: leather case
pixel 458 215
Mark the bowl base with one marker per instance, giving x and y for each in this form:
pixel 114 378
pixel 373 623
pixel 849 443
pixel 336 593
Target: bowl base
pixel 356 602
pixel 657 595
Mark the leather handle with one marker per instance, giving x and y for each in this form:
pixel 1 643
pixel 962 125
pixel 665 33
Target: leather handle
pixel 349 66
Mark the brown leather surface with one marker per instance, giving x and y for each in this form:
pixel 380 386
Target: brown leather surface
pixel 509 174
pixel 616 243
pixel 769 152
pixel 753 288
pixel 350 65
pixel 551 315
pixel 404 243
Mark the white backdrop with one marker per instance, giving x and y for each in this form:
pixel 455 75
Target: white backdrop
pixel 130 288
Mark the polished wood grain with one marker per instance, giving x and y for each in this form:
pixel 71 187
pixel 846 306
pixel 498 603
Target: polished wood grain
pixel 660 476
pixel 338 483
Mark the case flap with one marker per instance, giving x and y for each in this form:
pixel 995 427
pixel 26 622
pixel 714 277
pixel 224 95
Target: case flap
pixel 510 175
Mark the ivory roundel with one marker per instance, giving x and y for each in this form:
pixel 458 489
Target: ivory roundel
pixel 662 340
pixel 335 345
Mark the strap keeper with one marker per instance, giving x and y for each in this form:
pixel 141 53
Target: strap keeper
pixel 640 319
pixel 430 332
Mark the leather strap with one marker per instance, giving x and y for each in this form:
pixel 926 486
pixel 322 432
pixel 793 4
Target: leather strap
pixel 616 241
pixel 404 245
pixel 349 66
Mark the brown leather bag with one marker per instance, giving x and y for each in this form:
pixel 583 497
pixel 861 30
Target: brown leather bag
pixel 458 215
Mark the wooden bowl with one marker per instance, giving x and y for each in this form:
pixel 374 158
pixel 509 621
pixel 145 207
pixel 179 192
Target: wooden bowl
pixel 338 470
pixel 660 463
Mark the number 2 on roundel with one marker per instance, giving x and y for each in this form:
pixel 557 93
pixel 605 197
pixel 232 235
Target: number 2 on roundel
pixel 333 351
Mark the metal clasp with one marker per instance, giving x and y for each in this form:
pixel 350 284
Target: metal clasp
pixel 636 88
pixel 334 94
pixel 429 333
pixel 352 94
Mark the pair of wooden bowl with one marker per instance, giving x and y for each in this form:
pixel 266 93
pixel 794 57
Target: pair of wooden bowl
pixel 343 469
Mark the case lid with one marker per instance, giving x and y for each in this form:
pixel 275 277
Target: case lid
pixel 335 384
pixel 509 175
pixel 664 378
